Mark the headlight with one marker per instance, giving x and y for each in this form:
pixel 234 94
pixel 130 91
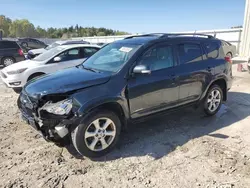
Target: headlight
pixel 17 71
pixel 59 108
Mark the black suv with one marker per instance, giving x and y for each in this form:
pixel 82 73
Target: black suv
pixel 88 105
pixel 10 52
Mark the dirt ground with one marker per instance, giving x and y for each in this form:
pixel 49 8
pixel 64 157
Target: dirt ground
pixel 184 149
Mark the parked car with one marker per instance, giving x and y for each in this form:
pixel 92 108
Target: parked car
pixel 15 76
pixel 33 53
pixel 30 43
pixel 10 52
pixel 86 107
pixel 230 49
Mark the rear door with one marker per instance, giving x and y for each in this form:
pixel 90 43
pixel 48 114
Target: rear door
pixel 195 71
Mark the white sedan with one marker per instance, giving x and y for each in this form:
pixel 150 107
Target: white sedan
pixel 17 75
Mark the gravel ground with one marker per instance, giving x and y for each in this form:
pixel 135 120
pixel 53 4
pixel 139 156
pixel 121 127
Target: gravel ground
pixel 184 149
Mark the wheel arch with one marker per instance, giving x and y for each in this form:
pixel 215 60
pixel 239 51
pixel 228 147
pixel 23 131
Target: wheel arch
pixel 220 82
pixel 7 57
pixel 115 105
pixel 35 74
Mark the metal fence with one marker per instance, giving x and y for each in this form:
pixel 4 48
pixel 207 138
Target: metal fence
pixel 231 35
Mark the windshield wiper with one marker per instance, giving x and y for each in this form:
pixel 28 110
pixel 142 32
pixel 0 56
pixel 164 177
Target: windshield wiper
pixel 90 69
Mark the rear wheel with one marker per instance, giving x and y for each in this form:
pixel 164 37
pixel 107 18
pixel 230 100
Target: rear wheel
pixel 213 100
pixel 229 54
pixel 97 134
pixel 6 61
pixel 24 44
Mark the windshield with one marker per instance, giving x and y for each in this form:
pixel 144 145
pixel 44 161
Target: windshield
pixel 48 54
pixel 111 57
pixel 53 45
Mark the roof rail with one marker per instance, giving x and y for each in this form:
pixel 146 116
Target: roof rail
pixel 166 35
pixel 146 35
pixel 191 34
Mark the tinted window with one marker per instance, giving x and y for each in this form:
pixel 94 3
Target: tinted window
pixel 159 57
pixel 211 49
pixel 90 51
pixel 189 53
pixel 8 44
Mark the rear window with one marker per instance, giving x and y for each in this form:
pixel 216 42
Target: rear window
pixel 212 49
pixel 8 44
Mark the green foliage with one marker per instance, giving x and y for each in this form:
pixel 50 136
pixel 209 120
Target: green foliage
pixel 23 28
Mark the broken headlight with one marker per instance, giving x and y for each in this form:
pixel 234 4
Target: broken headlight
pixel 59 108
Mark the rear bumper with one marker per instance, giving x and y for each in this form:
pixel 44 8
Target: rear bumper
pixel 20 58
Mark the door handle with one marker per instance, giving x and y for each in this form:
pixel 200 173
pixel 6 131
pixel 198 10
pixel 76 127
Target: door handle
pixel 209 69
pixel 173 76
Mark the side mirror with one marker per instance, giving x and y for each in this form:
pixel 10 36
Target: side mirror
pixel 57 59
pixel 141 69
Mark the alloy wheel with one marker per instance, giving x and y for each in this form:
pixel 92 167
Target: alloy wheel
pixel 8 61
pixel 214 100
pixel 100 134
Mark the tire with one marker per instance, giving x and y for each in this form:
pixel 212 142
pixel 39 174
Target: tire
pixel 213 100
pixel 17 90
pixel 229 54
pixel 92 146
pixel 6 61
pixel 24 44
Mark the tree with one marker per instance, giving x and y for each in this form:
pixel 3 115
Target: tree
pixel 23 28
pixel 5 23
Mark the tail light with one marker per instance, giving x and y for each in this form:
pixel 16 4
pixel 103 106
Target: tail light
pixel 20 51
pixel 228 59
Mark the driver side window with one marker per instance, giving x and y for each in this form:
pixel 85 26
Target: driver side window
pixel 158 57
pixel 69 55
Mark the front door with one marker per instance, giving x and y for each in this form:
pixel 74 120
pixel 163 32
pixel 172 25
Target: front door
pixel 150 93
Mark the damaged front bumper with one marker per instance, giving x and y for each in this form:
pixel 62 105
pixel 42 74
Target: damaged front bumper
pixel 53 128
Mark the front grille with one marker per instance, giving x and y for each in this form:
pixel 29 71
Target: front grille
pixel 3 75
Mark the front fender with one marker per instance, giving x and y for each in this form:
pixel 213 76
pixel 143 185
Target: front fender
pixel 91 98
pixel 96 102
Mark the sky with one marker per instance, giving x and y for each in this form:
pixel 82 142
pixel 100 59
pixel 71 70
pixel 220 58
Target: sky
pixel 133 16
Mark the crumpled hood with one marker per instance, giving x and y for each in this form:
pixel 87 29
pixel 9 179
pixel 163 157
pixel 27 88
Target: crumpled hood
pixel 65 81
pixel 37 51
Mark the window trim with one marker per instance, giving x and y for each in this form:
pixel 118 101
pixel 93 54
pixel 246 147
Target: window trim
pixel 189 42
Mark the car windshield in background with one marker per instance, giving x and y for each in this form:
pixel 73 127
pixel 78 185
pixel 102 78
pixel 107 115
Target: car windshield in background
pixel 48 54
pixel 112 57
pixel 53 45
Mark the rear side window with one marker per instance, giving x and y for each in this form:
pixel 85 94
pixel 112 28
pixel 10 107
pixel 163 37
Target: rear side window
pixel 8 44
pixel 212 49
pixel 189 53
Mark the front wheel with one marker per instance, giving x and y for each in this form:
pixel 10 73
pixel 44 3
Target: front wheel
pixel 213 100
pixel 97 134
